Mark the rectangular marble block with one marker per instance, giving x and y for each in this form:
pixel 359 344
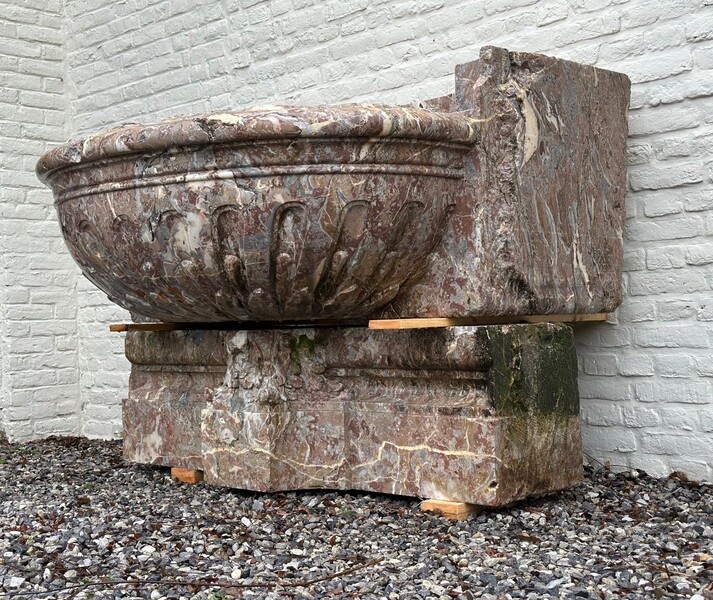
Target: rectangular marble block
pixel 173 377
pixel 484 415
pixel 538 225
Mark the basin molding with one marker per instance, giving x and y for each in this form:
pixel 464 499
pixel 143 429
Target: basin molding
pixel 272 214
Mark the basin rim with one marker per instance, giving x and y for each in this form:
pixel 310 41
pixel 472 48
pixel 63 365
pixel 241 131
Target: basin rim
pixel 348 121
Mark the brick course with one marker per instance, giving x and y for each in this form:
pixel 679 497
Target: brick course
pixel 39 364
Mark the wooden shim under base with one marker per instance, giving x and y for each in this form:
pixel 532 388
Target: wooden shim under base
pixel 459 511
pixel 187 475
pixel 472 321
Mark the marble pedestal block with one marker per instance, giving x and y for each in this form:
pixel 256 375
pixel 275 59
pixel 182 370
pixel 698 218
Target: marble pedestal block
pixel 537 226
pixel 485 415
pixel 174 375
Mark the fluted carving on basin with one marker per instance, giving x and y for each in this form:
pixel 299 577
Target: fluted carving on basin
pixel 350 230
pixel 268 218
pixel 298 261
pixel 305 270
pixel 290 266
pixel 228 252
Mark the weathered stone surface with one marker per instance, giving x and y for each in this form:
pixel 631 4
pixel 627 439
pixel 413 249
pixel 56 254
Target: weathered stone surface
pixel 538 225
pixel 173 376
pixel 267 214
pixel 505 198
pixel 486 415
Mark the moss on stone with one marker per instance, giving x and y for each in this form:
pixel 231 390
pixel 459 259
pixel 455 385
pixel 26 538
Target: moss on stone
pixel 534 370
pixel 301 346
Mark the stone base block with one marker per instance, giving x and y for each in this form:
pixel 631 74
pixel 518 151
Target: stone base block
pixel 173 377
pixel 484 415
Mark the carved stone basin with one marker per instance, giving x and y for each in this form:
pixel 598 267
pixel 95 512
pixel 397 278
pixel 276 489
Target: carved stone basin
pixel 503 198
pixel 266 214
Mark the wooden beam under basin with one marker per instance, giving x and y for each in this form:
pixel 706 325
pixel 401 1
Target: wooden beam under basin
pixel 229 325
pixel 119 327
pixel 472 321
pixel 372 324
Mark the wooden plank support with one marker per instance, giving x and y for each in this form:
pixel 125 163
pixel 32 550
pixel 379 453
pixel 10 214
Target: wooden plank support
pixel 458 511
pixel 118 327
pixel 373 324
pixel 473 321
pixel 186 475
pixel 230 325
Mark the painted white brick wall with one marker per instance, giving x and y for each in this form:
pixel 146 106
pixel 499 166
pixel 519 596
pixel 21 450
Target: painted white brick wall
pixel 39 389
pixel 646 376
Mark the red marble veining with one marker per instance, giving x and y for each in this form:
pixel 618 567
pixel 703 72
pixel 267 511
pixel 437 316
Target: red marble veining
pixel 503 198
pixel 173 378
pixel 486 415
pixel 270 214
pixel 538 225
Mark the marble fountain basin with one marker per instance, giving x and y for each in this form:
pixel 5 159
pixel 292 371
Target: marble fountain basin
pixel 503 198
pixel 269 214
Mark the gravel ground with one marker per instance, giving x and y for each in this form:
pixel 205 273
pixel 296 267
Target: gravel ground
pixel 76 522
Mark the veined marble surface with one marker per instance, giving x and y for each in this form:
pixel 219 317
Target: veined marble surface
pixel 486 415
pixel 505 198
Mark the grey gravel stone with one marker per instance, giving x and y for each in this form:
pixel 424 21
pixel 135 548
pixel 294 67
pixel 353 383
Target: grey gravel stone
pixel 73 514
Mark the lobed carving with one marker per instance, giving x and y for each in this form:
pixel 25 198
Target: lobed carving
pixel 336 239
pixel 297 261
